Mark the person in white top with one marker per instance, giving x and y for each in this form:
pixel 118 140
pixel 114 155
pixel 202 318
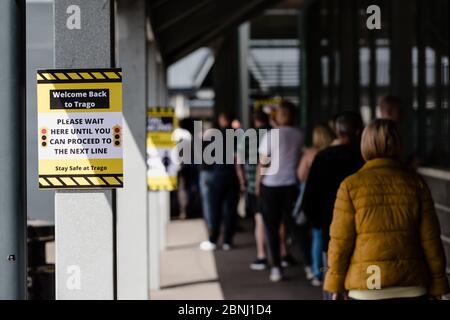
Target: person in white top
pixel 276 182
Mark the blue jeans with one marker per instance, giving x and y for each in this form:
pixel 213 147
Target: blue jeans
pixel 316 253
pixel 206 181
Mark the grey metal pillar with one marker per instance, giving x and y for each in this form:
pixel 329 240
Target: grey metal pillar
pixel 402 32
pixel 244 84
pixel 132 220
pixel 13 270
pixel 422 90
pixel 154 217
pixel 303 92
pixel 163 212
pixel 84 220
pixel 164 196
pixel 164 217
pixel 310 80
pixel 349 64
pixel 226 74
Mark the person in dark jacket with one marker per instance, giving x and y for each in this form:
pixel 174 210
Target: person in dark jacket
pixel 224 186
pixel 329 168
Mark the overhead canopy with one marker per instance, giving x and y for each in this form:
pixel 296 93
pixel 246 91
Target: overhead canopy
pixel 190 72
pixel 180 27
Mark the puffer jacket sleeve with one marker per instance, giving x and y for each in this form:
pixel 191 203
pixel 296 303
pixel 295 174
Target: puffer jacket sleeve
pixel 342 241
pixel 432 245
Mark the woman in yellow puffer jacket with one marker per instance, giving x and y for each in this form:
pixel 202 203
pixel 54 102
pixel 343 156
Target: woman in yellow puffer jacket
pixel 385 236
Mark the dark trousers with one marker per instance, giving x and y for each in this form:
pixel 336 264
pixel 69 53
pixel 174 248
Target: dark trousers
pixel 225 196
pixel 302 236
pixel 277 204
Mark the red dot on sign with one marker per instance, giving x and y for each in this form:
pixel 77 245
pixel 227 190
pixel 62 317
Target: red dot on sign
pixel 44 131
pixel 117 130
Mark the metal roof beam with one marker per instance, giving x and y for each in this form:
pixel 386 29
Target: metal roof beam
pixel 183 26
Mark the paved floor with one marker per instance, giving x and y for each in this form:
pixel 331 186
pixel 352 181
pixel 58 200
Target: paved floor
pixel 188 273
pixel 239 282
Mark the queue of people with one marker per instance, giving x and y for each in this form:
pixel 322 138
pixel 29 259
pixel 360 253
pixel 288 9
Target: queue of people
pixel 368 220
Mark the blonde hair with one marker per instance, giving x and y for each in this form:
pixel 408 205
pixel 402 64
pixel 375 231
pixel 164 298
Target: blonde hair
pixel 322 137
pixel 380 139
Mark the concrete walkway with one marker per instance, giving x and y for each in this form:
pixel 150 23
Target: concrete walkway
pixel 239 282
pixel 189 273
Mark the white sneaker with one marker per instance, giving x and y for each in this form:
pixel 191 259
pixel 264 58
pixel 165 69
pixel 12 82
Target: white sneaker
pixel 309 273
pixel 226 247
pixel 259 264
pixel 316 282
pixel 207 246
pixel 275 274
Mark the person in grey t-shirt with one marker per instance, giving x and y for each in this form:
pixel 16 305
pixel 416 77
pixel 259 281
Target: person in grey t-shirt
pixel 277 181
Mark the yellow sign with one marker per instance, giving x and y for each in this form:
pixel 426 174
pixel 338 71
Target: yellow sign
pixel 80 128
pixel 162 169
pixel 271 103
